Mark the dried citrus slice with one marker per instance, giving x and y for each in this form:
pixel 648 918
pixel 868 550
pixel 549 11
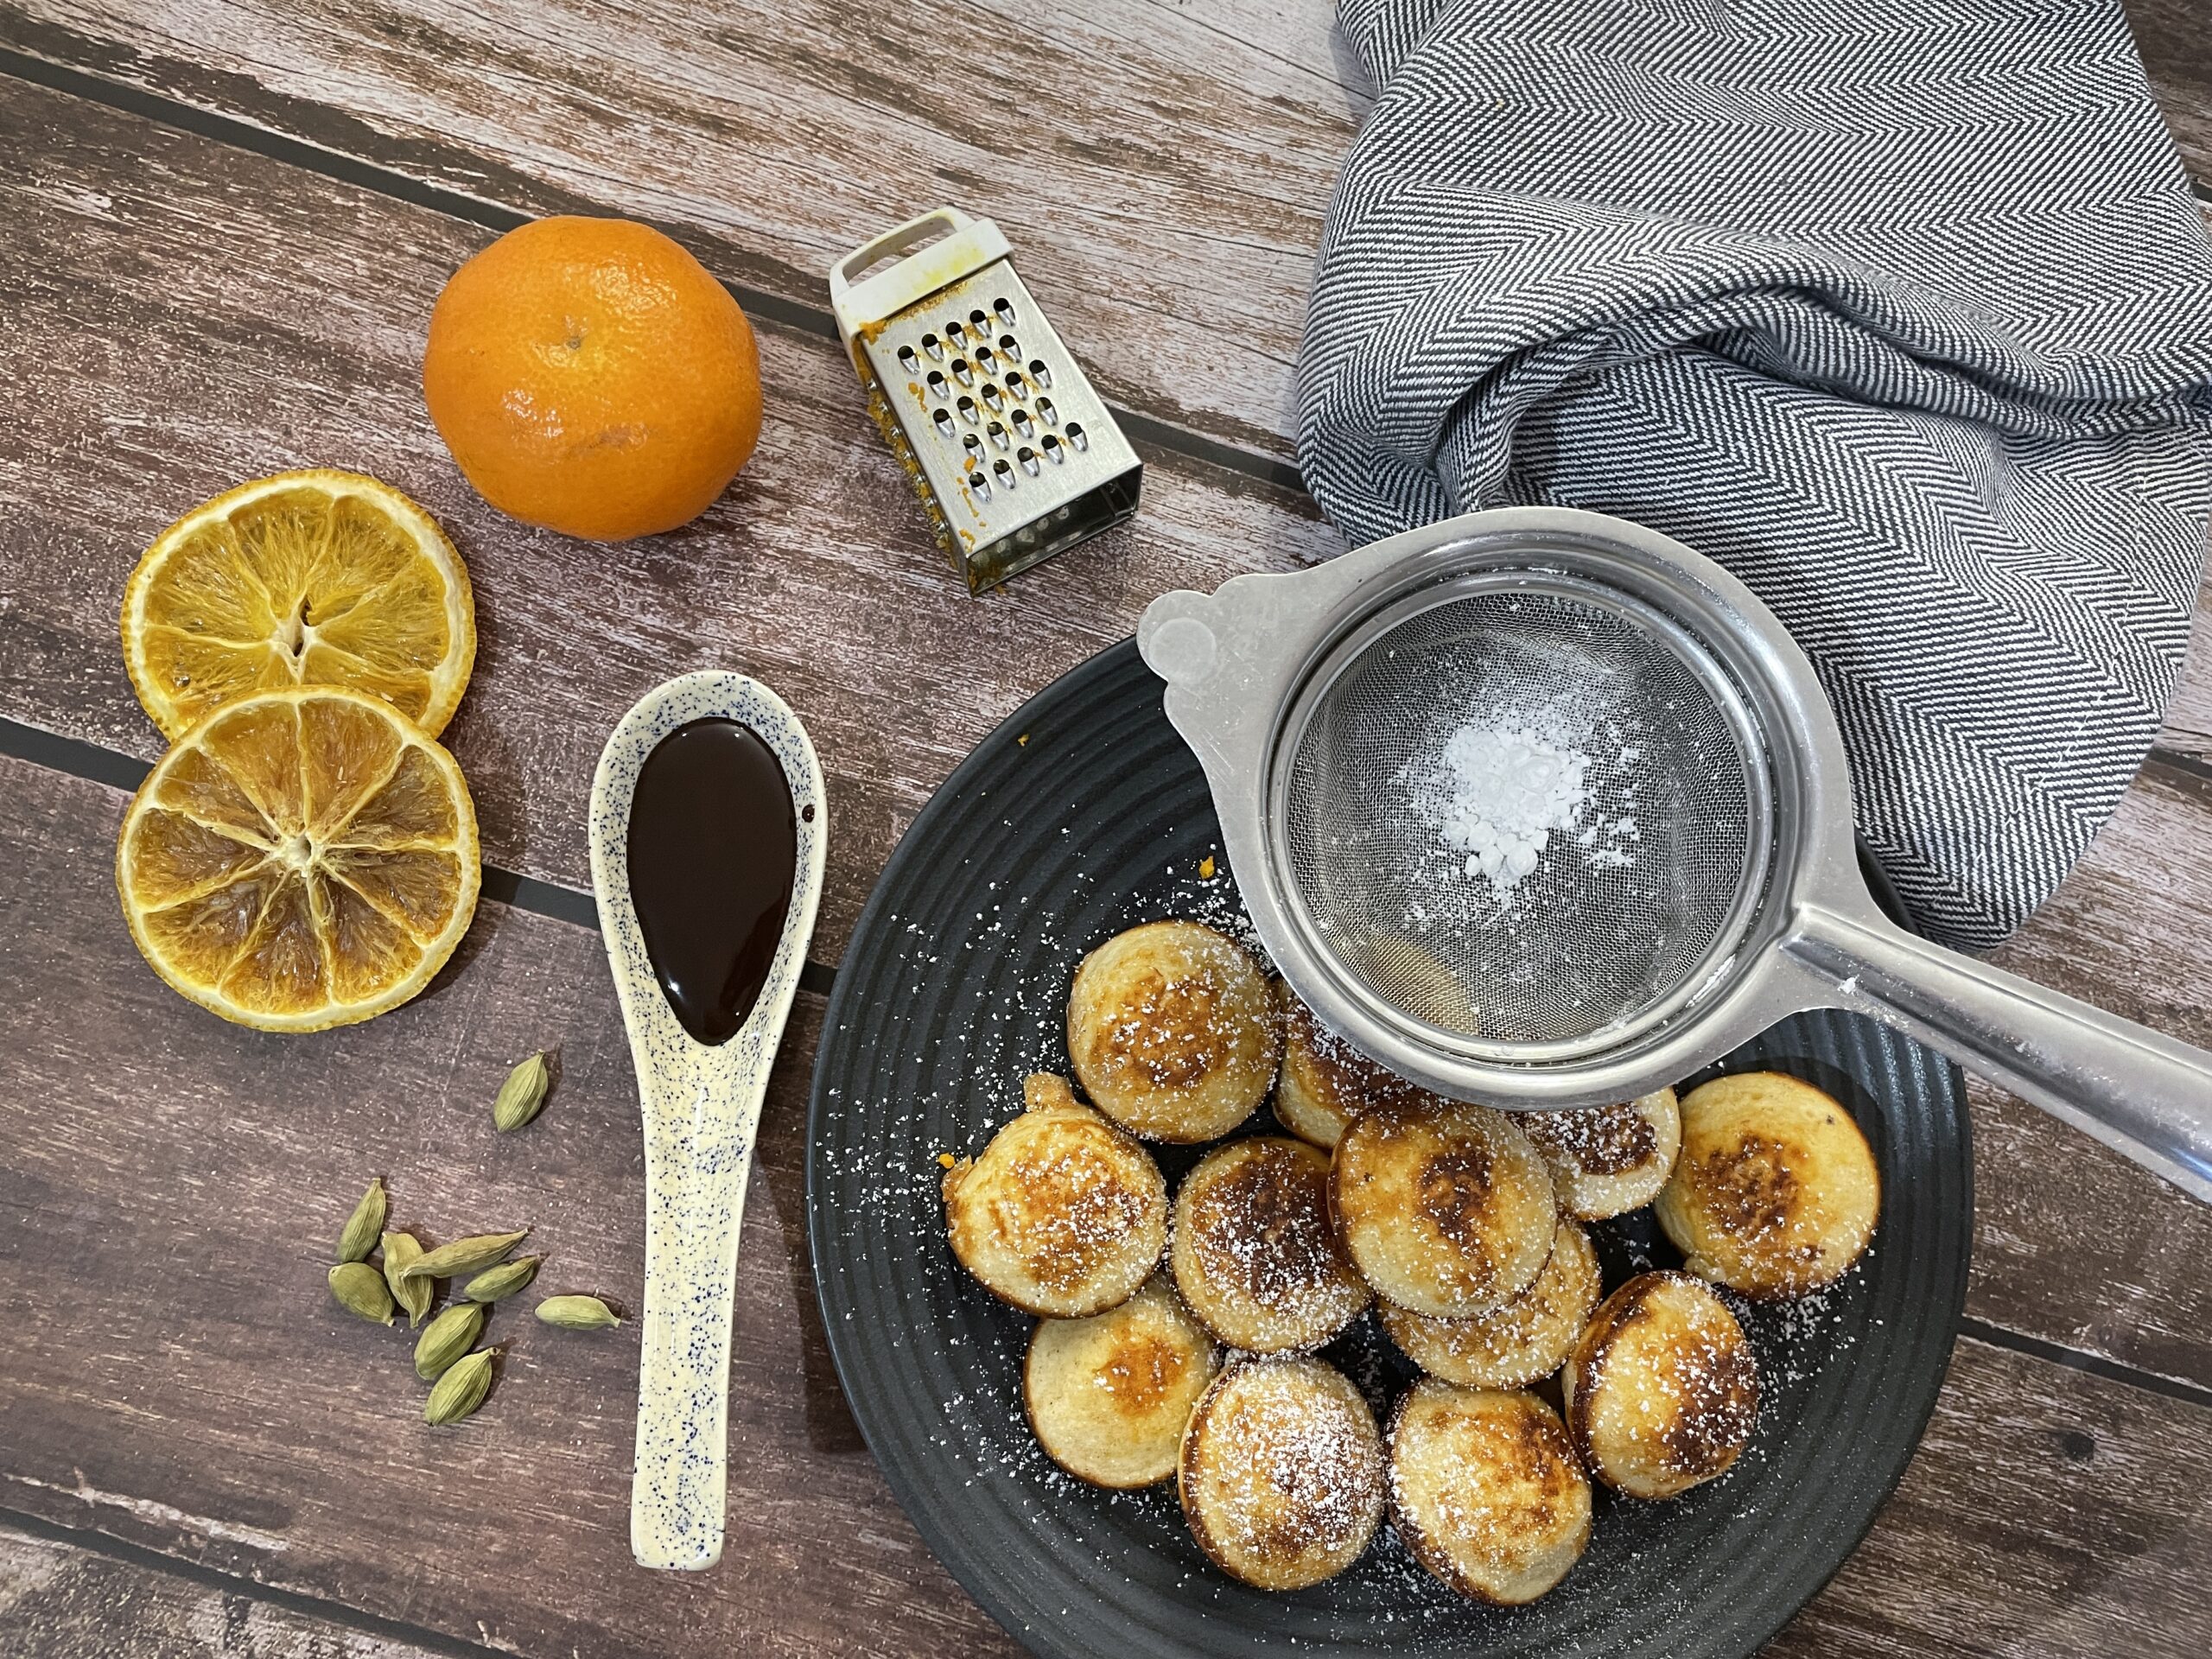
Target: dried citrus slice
pixel 312 578
pixel 303 858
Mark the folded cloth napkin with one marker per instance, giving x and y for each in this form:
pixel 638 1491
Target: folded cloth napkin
pixel 1901 310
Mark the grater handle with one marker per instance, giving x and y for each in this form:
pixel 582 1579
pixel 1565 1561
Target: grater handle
pixel 938 221
pixel 962 245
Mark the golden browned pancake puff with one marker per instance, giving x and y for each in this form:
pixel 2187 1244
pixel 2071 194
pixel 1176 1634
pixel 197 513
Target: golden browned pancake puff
pixel 1775 1192
pixel 1486 1491
pixel 1172 1032
pixel 1282 1473
pixel 1607 1160
pixel 1662 1392
pixel 1512 1346
pixel 1446 1207
pixel 1326 1082
pixel 1254 1252
pixel 1108 1397
pixel 1064 1215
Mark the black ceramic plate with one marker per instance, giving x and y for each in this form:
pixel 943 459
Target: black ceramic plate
pixel 1085 814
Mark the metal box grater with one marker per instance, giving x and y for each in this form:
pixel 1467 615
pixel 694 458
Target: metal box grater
pixel 1012 451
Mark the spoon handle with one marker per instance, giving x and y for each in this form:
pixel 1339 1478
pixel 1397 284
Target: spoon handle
pixel 699 1125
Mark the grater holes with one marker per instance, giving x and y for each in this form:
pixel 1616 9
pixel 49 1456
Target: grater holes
pixel 944 420
pixel 967 408
pixel 937 384
pixel 963 372
pixel 1027 457
pixel 993 396
pixel 1015 385
pixel 1055 451
pixel 908 360
pixel 1022 423
pixel 1009 345
pixel 973 445
pixel 1003 472
pixel 954 336
pixel 987 359
pixel 981 484
pixel 1039 373
pixel 934 346
pixel 1046 413
pixel 978 322
pixel 1004 307
pixel 998 433
pixel 1075 436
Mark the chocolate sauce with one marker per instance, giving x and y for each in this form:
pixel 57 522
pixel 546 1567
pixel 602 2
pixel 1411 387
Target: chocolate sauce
pixel 713 848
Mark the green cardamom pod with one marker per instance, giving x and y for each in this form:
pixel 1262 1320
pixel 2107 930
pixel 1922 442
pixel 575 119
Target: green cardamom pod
pixel 576 1313
pixel 522 1094
pixel 360 1289
pixel 446 1338
pixel 413 1294
pixel 503 1280
pixel 364 1224
pixel 470 1254
pixel 462 1389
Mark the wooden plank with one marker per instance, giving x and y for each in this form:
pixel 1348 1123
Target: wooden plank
pixel 2172 36
pixel 185 316
pixel 179 1381
pixel 1163 186
pixel 211 363
pixel 2128 930
pixel 2188 715
pixel 62 1600
pixel 2000 1540
pixel 1163 171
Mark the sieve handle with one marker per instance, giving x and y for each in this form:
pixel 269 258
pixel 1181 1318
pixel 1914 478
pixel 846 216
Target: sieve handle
pixel 2145 1096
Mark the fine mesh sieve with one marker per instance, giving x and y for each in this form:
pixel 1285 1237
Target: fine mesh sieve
pixel 1685 878
pixel 1630 898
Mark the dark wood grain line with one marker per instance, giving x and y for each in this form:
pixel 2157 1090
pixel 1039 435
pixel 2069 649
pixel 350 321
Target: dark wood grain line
pixel 260 141
pixel 79 759
pixel 2194 767
pixel 2112 1370
pixel 351 168
pixel 501 886
pixel 126 1614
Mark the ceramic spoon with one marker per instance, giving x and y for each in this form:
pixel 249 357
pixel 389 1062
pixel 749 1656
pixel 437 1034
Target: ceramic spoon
pixel 701 1105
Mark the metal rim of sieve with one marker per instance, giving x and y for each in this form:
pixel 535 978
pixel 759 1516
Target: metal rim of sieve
pixel 1532 570
pixel 1239 664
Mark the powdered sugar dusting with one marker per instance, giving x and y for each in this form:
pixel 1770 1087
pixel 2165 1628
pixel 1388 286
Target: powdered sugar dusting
pixel 1291 1466
pixel 1499 794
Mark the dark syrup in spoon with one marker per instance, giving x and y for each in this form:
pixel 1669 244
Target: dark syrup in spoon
pixel 713 848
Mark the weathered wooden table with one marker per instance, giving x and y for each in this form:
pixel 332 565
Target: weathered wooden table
pixel 225 221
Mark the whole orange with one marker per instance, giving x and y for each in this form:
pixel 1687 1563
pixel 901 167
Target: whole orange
pixel 589 375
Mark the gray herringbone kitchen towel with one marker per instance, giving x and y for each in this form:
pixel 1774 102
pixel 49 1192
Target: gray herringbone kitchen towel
pixel 1901 310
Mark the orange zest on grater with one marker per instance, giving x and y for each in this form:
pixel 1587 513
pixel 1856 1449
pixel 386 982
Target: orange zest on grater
pixel 1013 453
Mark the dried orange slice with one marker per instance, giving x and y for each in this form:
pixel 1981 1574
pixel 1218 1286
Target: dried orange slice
pixel 300 858
pixel 310 578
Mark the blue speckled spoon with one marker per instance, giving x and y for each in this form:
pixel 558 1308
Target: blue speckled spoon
pixel 701 1106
